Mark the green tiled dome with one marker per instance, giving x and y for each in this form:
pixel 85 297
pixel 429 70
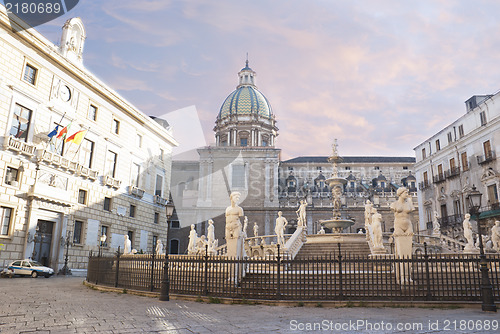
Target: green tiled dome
pixel 246 100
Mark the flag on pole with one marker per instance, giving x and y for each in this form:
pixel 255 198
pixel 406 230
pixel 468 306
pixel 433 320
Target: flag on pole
pixel 76 137
pixel 64 131
pixel 53 132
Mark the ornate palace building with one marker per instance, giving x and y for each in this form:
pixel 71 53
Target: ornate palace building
pixel 100 181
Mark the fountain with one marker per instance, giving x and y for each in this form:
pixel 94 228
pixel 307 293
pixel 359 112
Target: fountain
pixel 337 224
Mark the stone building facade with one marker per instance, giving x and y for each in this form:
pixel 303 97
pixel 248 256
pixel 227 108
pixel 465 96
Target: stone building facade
pixel 455 159
pixel 112 180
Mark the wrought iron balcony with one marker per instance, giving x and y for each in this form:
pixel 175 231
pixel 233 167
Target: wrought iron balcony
pixel 423 185
pixel 452 172
pixel 438 178
pixel 488 157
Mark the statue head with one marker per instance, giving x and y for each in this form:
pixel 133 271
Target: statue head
pixel 235 197
pixel 467 216
pixel 401 191
pixel 497 223
pixel 192 226
pixel 280 213
pixel 210 222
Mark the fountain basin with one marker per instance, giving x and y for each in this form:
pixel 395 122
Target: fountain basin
pixel 336 225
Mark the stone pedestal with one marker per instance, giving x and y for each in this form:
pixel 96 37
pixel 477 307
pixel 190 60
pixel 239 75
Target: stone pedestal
pixel 403 250
pixel 470 249
pixel 235 248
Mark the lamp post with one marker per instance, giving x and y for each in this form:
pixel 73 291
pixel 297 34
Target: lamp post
pixel 165 283
pixel 103 240
pixel 65 270
pixel 474 200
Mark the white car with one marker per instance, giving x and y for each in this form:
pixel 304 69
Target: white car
pixel 29 268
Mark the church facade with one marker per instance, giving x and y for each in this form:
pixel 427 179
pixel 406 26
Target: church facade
pixel 245 158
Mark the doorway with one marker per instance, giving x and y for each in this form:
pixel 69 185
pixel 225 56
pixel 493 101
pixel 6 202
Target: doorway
pixel 43 242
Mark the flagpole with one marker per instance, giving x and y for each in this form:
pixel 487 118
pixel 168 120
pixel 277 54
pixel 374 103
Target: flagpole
pixel 57 126
pixel 80 145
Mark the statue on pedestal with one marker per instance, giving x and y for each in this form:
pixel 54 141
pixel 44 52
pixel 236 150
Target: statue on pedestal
pixel 376 226
pixel 301 213
pixel 495 236
pixel 212 242
pixel 127 247
pixel 159 248
pixel 234 231
pixel 279 229
pixel 255 229
pixel 193 238
pixel 469 248
pixel 436 227
pixel 368 213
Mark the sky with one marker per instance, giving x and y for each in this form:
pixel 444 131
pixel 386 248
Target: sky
pixel 380 76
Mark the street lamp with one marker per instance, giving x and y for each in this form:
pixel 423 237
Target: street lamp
pixel 103 240
pixel 474 200
pixel 165 283
pixel 65 270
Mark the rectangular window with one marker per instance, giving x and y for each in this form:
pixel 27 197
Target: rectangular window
pixel 21 120
pixel 131 237
pixel 440 171
pixel 423 154
pixel 452 164
pixel 376 168
pixel 450 139
pixel 86 153
pixel 82 196
pixel 107 203
pixel 157 218
pixel 492 194
pixel 461 130
pixel 6 220
pixel 426 178
pixel 92 112
pixel 111 160
pixel 456 207
pixel 465 162
pixel 132 210
pixel 175 224
pixel 77 233
pixel 30 74
pixel 138 140
pixel 238 176
pixel 135 174
pixel 482 116
pixel 243 142
pixel 115 127
pixel 438 145
pixel 162 152
pixel 347 168
pixel 159 185
pixel 12 176
pixel 405 167
pixel 155 240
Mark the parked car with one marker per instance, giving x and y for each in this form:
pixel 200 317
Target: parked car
pixel 30 268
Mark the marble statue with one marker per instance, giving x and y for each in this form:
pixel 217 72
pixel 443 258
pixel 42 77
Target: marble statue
pixel 301 213
pixel 193 238
pixel 127 247
pixel 201 244
pixel 436 227
pixel 402 208
pixel 495 236
pixel 255 229
pixel 337 194
pixel 368 212
pixel 469 248
pixel 212 242
pixel 233 227
pixel 245 227
pixel 279 229
pixel 233 214
pixel 322 231
pixel 159 248
pixel 403 232
pixel 376 226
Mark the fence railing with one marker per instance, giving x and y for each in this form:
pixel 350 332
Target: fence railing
pixel 428 277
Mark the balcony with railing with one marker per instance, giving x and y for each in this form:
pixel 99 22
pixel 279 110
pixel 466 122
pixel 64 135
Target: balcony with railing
pixel 135 191
pixel 424 185
pixel 487 157
pixel 452 172
pixel 111 182
pixel 438 178
pixel 19 146
pixel 450 221
pixel 160 200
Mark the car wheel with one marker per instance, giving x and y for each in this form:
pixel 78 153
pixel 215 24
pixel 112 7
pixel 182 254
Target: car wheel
pixel 34 274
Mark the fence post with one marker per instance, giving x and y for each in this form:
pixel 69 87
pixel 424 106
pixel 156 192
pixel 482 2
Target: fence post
pixel 341 290
pixel 427 274
pixel 205 283
pixel 151 288
pixel 98 268
pixel 117 266
pixel 278 277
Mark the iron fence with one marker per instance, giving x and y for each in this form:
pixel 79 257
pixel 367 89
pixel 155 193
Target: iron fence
pixel 424 277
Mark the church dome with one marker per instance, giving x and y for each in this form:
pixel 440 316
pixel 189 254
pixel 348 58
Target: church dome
pixel 246 99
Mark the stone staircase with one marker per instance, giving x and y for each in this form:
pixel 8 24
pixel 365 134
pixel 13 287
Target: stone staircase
pixel 321 249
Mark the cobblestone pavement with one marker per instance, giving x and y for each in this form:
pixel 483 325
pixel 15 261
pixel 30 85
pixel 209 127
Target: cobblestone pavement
pixel 65 305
